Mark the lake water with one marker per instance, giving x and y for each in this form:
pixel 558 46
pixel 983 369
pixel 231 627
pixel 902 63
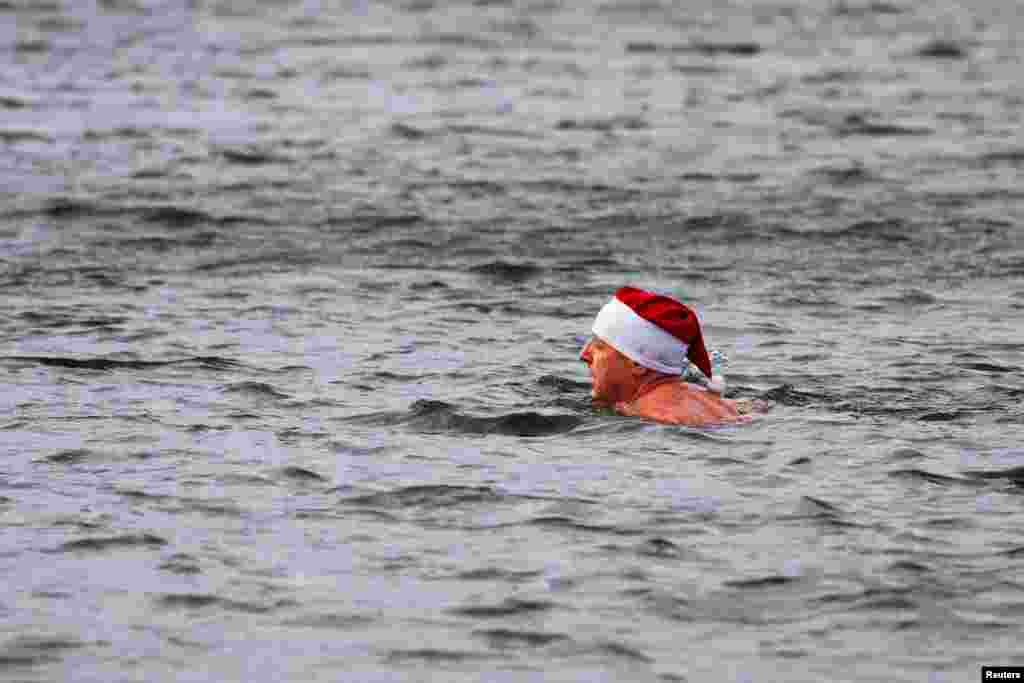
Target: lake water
pixel 293 294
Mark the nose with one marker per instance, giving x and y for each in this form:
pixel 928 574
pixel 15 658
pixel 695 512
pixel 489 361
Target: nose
pixel 585 354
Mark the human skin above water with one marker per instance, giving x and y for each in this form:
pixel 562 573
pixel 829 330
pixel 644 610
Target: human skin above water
pixel 632 389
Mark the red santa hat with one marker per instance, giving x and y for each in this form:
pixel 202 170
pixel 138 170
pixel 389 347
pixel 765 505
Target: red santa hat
pixel 653 330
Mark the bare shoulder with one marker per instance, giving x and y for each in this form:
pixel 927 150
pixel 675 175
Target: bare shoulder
pixel 684 404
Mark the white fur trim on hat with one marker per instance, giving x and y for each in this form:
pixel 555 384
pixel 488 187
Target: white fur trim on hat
pixel 639 339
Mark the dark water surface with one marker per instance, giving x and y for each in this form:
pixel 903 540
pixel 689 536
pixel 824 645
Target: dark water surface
pixel 293 293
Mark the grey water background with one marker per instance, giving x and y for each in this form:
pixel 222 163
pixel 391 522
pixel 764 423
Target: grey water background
pixel 292 298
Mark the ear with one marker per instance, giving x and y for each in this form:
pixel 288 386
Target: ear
pixel 636 369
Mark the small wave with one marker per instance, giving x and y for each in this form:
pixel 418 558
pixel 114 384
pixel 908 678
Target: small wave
pixel 8 102
pixel 64 208
pixel 346 73
pixel 354 39
pixel 942 49
pixel 901 454
pixel 188 600
pixel 182 217
pixel 761 582
pixel 945 415
pixel 555 186
pixel 884 598
pixel 697 69
pixel 887 602
pixel 644 47
pixel 248 157
pixel 106 364
pixel 181 563
pixel 817 506
pixel 59 320
pixel 659 547
pixel 398 246
pixel 508 638
pixel 497 574
pixel 563 385
pixel 478 188
pixel 27 650
pixel 429 285
pixel 727 177
pixel 462 40
pixel 815 300
pixel 255 389
pixel 854 9
pixel 85 363
pixel 407 132
pixel 917 474
pixel 465 129
pixel 471 83
pixel 888 230
pixel 508 608
pixel 911 297
pixel 832 76
pixel 432 62
pixel 211 362
pixel 949 523
pixel 621 650
pixel 990 368
pixel 70 457
pixel 212 509
pixel 255 94
pixel 729 222
pixel 275 260
pixel 203 600
pixel 788 395
pixel 101 544
pixel 858 125
pixel 1012 157
pixel 561 522
pixel 160 244
pixel 327 41
pixel 428 495
pixel 331 621
pixel 434 655
pixel 909 566
pixel 12 136
pixel 708 49
pixel 345 448
pixel 388 376
pixel 604 125
pixel 842 176
pixel 1013 474
pixel 370 222
pixel 438 416
pixel 296 473
pixel 597 263
pixel 125 132
pixel 138 495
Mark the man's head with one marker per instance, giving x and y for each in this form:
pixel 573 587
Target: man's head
pixel 613 376
pixel 643 332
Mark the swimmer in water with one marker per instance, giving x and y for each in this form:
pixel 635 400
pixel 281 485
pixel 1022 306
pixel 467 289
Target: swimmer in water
pixel 642 342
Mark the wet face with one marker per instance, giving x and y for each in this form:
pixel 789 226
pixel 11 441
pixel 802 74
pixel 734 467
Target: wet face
pixel 612 375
